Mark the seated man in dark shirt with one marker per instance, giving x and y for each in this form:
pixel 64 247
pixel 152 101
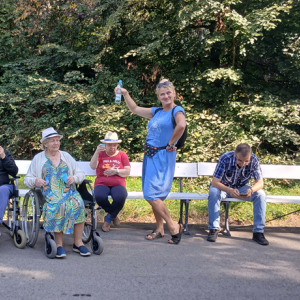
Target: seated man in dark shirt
pixel 231 180
pixel 7 167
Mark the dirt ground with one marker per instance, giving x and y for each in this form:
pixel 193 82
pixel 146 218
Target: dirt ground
pixel 292 220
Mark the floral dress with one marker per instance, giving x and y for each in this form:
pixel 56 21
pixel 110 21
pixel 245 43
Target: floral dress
pixel 64 206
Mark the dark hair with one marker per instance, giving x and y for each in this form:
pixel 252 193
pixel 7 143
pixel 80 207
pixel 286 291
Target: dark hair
pixel 243 149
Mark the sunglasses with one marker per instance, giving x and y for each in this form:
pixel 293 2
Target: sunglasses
pixel 163 84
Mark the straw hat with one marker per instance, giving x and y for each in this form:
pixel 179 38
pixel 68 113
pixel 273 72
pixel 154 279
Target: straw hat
pixel 49 133
pixel 111 137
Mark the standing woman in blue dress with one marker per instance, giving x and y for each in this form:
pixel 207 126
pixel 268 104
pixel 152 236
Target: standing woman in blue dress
pixel 160 155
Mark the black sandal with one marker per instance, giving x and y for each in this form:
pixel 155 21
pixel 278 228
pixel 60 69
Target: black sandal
pixel 176 238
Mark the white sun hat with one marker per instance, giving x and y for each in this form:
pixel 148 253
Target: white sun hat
pixel 49 133
pixel 111 137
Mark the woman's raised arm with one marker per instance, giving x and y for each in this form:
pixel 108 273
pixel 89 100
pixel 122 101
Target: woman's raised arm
pixel 140 111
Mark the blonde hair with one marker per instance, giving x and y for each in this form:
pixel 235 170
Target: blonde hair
pixel 170 85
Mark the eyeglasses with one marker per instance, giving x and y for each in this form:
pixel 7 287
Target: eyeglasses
pixel 166 83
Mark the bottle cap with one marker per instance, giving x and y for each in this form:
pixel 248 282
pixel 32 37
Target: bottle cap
pixel 120 81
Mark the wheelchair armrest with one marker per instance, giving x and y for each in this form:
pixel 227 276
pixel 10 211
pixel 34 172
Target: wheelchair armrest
pixel 12 179
pixel 87 181
pixel 14 182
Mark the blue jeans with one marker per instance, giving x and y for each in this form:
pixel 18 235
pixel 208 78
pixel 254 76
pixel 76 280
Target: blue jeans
pixel 5 191
pixel 259 207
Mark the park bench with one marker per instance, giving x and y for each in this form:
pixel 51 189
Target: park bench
pixel 192 170
pixel 182 170
pixel 269 172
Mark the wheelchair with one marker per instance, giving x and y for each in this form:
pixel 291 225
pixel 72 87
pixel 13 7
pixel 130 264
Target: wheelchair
pixel 32 210
pixel 12 222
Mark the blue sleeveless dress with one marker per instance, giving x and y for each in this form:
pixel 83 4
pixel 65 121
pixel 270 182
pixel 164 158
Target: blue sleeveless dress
pixel 158 171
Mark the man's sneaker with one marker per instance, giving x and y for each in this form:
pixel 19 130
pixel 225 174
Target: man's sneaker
pixel 60 252
pixel 212 235
pixel 259 238
pixel 82 250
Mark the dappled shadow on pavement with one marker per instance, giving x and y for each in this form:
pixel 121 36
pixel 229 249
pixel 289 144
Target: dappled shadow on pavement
pixel 132 267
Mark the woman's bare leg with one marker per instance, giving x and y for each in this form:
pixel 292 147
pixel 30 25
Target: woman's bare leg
pixel 159 223
pixel 161 213
pixel 78 230
pixel 59 239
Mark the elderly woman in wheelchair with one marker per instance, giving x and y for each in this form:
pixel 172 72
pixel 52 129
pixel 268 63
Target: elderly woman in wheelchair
pixel 56 174
pixel 9 197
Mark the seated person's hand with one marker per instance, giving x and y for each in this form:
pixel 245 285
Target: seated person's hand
pixel 234 193
pixel 100 148
pixel 110 172
pixel 70 180
pixel 249 193
pixel 39 182
pixel 2 153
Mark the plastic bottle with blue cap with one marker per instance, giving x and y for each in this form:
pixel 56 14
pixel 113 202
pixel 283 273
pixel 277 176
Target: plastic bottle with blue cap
pixel 118 94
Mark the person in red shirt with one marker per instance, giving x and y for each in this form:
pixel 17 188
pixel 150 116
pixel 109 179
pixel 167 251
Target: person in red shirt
pixel 112 166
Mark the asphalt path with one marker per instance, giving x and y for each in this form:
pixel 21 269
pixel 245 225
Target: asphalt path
pixel 131 267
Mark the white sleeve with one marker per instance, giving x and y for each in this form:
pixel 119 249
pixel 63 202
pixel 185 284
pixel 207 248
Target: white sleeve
pixel 78 174
pixel 29 180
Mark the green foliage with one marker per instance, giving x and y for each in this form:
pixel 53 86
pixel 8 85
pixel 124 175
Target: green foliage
pixel 235 65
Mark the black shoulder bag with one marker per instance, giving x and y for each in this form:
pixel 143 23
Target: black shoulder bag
pixel 181 141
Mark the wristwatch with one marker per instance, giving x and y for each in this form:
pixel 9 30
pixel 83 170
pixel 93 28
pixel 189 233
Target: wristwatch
pixel 118 172
pixel 172 145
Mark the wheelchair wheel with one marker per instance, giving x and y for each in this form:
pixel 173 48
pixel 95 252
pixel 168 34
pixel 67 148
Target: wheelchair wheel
pixel 20 239
pixel 51 249
pixel 10 218
pixel 87 233
pixel 87 230
pixel 97 245
pixel 31 217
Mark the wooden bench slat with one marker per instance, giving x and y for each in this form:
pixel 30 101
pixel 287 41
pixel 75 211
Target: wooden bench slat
pixel 206 169
pixel 140 195
pixel 23 166
pixel 280 171
pixel 269 171
pixel 186 170
pixel 181 169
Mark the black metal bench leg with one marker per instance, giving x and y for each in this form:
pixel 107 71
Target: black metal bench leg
pixel 185 225
pixel 181 211
pixel 186 229
pixel 226 231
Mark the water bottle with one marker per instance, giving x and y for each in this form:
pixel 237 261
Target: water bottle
pixel 103 145
pixel 118 95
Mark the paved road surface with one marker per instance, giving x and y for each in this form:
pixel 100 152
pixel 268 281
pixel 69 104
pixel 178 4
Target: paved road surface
pixel 133 268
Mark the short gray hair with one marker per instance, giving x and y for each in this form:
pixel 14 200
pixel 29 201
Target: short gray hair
pixel 243 149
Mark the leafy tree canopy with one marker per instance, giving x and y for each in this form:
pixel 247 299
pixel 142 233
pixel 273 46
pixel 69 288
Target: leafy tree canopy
pixel 235 65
